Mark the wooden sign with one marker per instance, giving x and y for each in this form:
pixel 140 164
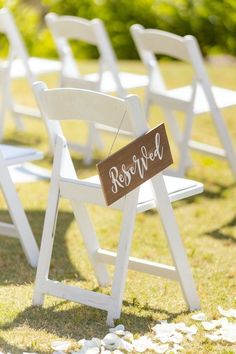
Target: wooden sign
pixel 134 164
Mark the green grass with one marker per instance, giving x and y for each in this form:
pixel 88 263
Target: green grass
pixel 207 225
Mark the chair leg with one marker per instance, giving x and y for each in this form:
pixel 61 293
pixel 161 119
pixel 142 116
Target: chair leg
pixel 11 104
pixel 175 243
pixel 19 218
pixel 46 247
pixel 122 260
pixel 225 139
pixel 183 150
pixel 90 241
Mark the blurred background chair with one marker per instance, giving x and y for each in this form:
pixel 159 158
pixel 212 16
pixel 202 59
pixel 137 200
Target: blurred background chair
pixel 108 79
pixel 69 104
pixel 21 66
pixel 198 98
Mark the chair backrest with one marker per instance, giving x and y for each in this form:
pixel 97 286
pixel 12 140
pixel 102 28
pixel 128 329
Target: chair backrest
pixel 77 104
pixel 17 48
pixel 65 28
pixel 151 42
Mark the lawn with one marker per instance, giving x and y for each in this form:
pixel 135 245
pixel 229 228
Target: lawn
pixel 207 225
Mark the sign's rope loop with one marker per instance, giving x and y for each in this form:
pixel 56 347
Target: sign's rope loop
pixel 118 129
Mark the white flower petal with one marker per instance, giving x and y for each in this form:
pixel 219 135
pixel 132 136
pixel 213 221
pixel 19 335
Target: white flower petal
pixel 141 344
pixel 60 345
pixel 176 338
pixel 227 313
pixel 178 347
pixel 111 341
pixel 81 342
pixel 208 326
pixel 228 332
pixel 199 316
pixel 189 337
pixel 119 330
pixel 128 336
pixel 185 329
pixel 94 350
pixel 117 351
pixel 213 337
pixel 126 345
pixel 160 348
pixel 97 342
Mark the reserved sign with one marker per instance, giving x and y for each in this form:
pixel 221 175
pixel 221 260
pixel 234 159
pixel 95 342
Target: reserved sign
pixel 134 164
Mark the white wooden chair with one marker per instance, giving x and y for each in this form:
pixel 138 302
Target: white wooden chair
pixel 158 193
pixel 108 80
pixel 22 66
pixel 198 98
pixel 11 156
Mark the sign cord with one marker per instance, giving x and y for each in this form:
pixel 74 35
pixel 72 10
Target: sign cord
pixel 118 129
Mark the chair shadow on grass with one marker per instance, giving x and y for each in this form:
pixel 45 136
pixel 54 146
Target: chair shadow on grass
pixel 13 262
pixel 82 321
pixel 9 348
pixel 221 235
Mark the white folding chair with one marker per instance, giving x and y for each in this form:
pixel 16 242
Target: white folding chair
pixel 158 193
pixel 22 66
pixel 11 156
pixel 107 80
pixel 198 98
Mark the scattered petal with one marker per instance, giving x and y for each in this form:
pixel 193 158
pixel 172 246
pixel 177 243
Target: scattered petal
pixel 176 338
pixel 128 336
pixel 213 337
pixel 185 329
pixel 208 326
pixel 189 337
pixel 178 347
pixel 160 348
pixel 118 330
pixel 228 332
pixel 126 345
pixel 117 351
pixel 60 345
pixel 227 313
pixel 111 341
pixel 199 316
pixel 141 344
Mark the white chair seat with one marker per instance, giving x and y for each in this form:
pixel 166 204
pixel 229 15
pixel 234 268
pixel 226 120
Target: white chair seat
pixel 128 81
pixel 38 66
pixel 16 155
pixel 177 189
pixel 223 97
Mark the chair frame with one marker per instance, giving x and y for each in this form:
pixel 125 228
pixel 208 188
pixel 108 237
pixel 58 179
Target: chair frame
pixel 20 227
pixel 18 52
pixel 152 41
pixel 63 171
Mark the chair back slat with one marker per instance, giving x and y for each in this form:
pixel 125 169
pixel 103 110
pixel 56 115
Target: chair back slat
pixel 164 43
pixel 71 27
pixel 75 104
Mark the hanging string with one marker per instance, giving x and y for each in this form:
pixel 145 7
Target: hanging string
pixel 117 133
